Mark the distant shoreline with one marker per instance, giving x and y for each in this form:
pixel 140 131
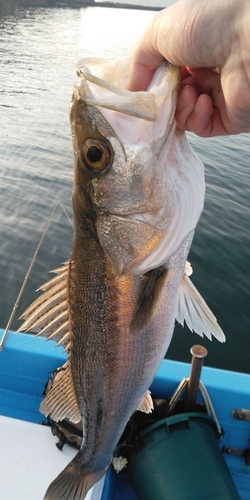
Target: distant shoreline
pixel 75 4
pixel 116 5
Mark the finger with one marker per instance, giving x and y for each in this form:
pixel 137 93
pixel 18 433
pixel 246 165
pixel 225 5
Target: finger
pixel 199 121
pixel 145 57
pixel 229 97
pixel 185 106
pixel 140 76
pixel 197 114
pixel 189 81
pixel 205 120
pixel 207 79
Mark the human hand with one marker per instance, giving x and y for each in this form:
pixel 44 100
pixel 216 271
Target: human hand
pixel 211 43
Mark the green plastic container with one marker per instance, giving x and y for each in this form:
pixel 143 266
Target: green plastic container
pixel 178 458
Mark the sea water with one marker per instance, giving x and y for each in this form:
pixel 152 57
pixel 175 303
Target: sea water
pixel 39 49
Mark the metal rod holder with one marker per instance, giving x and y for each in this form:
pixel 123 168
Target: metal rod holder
pixel 198 354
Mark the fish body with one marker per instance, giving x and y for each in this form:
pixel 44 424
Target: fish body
pixel 137 197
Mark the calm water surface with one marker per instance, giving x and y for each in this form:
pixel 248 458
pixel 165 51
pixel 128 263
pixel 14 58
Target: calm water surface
pixel 39 50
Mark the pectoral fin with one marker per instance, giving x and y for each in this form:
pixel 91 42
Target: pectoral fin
pixel 148 300
pixel 193 309
pixel 146 405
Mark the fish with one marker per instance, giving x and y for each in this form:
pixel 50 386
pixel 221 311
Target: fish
pixel 138 194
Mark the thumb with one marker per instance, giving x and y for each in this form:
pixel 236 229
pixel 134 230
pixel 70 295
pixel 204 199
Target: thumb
pixel 145 57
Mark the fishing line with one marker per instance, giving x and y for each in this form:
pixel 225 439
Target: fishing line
pixel 30 269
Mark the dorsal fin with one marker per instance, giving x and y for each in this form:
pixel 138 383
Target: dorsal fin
pixel 193 309
pixel 60 402
pixel 48 315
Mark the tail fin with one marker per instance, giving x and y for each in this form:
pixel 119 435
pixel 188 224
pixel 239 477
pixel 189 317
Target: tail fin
pixel 73 483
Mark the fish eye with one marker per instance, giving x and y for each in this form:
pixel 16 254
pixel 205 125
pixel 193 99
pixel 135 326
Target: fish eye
pixel 96 154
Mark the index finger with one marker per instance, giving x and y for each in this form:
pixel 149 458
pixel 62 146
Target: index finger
pixel 142 72
pixel 145 58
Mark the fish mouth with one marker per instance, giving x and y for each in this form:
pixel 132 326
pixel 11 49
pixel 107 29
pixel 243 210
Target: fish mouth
pixel 138 104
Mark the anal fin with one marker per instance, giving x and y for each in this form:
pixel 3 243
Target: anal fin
pixel 146 405
pixel 60 402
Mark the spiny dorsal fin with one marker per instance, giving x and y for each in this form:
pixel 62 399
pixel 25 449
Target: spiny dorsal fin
pixel 60 402
pixel 193 309
pixel 146 405
pixel 48 315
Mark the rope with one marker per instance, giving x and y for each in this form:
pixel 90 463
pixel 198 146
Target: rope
pixel 207 400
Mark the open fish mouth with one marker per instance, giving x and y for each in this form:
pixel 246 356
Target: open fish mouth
pixel 137 104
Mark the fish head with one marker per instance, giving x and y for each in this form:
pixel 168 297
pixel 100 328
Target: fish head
pixel 128 162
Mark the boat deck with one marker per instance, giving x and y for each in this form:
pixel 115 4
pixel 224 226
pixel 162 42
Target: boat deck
pixel 29 458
